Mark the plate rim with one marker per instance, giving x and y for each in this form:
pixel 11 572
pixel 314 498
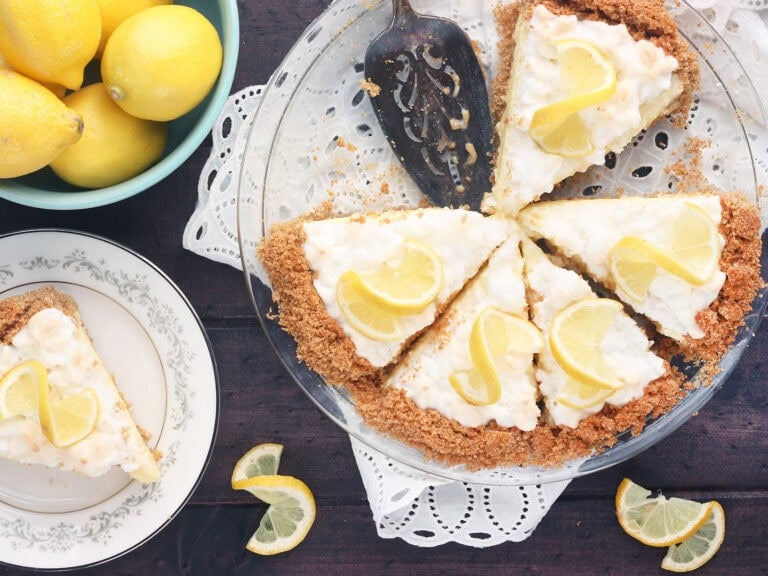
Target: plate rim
pixel 207 354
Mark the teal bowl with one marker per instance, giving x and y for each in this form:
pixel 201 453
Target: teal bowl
pixel 43 189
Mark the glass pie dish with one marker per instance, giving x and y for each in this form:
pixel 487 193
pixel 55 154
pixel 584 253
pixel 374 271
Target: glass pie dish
pixel 315 140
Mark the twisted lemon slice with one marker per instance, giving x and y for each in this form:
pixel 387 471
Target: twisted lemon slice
pixel 24 391
pixel 495 335
pixel 589 78
pixel 692 254
pixel 372 301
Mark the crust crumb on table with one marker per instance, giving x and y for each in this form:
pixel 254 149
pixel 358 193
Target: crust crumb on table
pixel 645 19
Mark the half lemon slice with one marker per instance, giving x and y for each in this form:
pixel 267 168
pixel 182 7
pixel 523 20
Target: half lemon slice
pixel 408 286
pixel 575 338
pixel 289 517
pixel 656 520
pixel 589 78
pixel 19 389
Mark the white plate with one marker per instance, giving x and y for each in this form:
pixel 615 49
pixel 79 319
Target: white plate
pixel 151 339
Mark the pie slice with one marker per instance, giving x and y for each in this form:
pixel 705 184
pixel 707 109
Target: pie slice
pixel 594 353
pixel 584 79
pixel 667 257
pixel 475 365
pixel 355 291
pixel 41 332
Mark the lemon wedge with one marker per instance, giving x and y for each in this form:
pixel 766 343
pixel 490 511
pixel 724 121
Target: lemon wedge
pixel 697 550
pixel 473 388
pixel 692 256
pixel 19 389
pixel 290 515
pixel 67 420
pixel 580 396
pixel 373 301
pixel 407 286
pixel 24 391
pixel 696 242
pixel 363 313
pixel 658 521
pixel 261 460
pixel 575 337
pixel 589 78
pixel 494 336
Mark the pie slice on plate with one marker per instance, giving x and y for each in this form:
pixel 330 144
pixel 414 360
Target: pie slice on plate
pixel 355 291
pixel 584 79
pixel 594 353
pixel 59 406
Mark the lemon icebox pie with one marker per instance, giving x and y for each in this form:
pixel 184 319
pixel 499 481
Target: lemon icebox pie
pixel 540 331
pixel 59 406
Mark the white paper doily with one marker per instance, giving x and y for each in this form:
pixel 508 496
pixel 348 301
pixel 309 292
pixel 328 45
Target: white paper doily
pixel 424 510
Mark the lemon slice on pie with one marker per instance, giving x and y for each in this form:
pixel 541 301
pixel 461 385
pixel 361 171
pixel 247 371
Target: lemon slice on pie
pixel 589 78
pixel 409 285
pixel 692 254
pixel 64 420
pixel 19 389
pixel 496 333
pixel 581 396
pixel 70 419
pixel 575 337
pixel 363 312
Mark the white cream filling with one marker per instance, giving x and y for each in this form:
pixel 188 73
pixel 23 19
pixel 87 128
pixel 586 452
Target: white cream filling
pixel 589 229
pixel 644 73
pixel 462 239
pixel 424 372
pixel 51 337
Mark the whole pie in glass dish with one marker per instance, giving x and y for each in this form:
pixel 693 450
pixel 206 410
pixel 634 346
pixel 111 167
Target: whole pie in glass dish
pixel 585 314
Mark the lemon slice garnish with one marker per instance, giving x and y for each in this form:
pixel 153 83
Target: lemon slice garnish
pixel 692 255
pixel 409 285
pixel 580 396
pixel 261 460
pixel 363 313
pixel 494 336
pixel 575 337
pixel 374 301
pixel 697 550
pixel 65 420
pixel 696 242
pixel 589 78
pixel 289 517
pixel 658 521
pixel 19 389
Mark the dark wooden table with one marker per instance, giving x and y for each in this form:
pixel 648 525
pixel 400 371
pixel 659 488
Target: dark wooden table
pixel 722 453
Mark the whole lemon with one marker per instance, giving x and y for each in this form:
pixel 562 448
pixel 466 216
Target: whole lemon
pixel 50 40
pixel 113 12
pixel 115 145
pixel 36 126
pixel 160 63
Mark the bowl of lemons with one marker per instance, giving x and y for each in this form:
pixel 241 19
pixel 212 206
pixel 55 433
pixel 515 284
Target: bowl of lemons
pixel 105 106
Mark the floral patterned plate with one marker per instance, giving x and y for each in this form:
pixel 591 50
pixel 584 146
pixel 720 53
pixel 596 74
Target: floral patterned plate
pixel 151 339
